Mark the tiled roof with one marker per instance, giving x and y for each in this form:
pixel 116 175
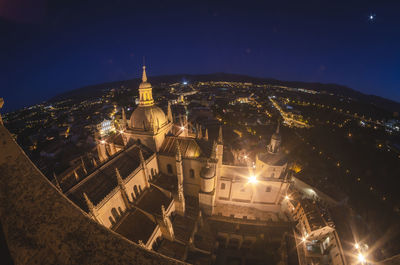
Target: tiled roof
pixel 102 181
pixel 190 147
pixel 136 226
pixel 278 159
pixel 152 200
pixel 168 182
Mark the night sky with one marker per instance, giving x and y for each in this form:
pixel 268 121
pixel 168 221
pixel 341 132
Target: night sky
pixel 48 47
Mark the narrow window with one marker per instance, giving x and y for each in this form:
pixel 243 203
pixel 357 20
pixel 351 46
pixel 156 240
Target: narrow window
pixel 191 173
pixel 169 169
pixel 222 186
pixel 268 189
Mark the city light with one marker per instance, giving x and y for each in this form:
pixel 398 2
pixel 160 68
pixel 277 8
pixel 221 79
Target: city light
pixel 121 131
pixel 182 127
pixel 357 246
pixel 287 197
pixel 361 258
pixel 253 179
pixel 102 142
pixel 245 157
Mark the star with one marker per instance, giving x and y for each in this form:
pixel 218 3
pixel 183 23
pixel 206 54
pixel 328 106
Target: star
pixel 371 17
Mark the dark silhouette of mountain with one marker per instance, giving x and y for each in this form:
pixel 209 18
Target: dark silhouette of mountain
pixel 339 90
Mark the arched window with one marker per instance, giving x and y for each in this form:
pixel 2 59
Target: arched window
pixel 120 210
pixel 133 196
pixel 111 220
pixel 152 172
pixel 115 214
pixel 191 173
pixel 136 191
pixel 169 168
pixel 222 186
pixel 140 189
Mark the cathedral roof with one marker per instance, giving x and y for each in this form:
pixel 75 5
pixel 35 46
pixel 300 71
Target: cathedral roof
pixel 102 181
pixel 152 200
pixel 136 226
pixel 147 118
pixel 190 147
pixel 273 159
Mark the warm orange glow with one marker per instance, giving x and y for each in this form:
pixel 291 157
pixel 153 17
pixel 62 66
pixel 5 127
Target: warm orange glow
pixel 253 179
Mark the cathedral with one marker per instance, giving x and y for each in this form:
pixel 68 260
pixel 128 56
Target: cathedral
pixel 153 179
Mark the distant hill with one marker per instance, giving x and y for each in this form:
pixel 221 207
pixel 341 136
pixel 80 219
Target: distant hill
pixel 97 90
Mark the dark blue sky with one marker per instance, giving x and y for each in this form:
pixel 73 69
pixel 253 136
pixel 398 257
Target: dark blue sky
pixel 48 47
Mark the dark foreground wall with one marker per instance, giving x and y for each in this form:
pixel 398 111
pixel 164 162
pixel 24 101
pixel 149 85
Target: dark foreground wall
pixel 41 226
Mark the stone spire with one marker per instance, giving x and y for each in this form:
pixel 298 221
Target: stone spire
pixel 144 76
pixel 275 143
pixel 144 168
pixel 206 135
pixel 166 227
pixel 220 139
pixel 94 162
pixel 123 119
pixel 121 185
pixel 179 166
pixel 83 165
pixel 119 179
pixel 89 203
pixel 76 175
pixel 145 91
pixel 169 112
pixel 200 133
pixel 178 155
pixel 214 150
pixel 181 199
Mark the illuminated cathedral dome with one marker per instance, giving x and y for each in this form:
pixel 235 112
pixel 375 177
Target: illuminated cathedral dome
pixel 147 116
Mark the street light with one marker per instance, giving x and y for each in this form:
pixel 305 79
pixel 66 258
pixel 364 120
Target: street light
pixel 361 258
pixel 253 179
pixel 102 142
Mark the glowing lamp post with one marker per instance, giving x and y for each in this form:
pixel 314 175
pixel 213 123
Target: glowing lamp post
pixel 253 179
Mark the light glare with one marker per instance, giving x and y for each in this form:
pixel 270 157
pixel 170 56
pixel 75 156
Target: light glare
pixel 253 179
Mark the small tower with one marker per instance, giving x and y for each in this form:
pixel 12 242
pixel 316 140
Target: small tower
pixel 275 143
pixel 101 147
pixel 92 209
pixel 220 147
pixel 166 226
pixel 200 133
pixel 169 112
pixel 83 165
pixel 123 123
pixel 214 151
pixel 220 138
pixel 144 168
pixel 122 187
pixel 181 206
pixel 178 161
